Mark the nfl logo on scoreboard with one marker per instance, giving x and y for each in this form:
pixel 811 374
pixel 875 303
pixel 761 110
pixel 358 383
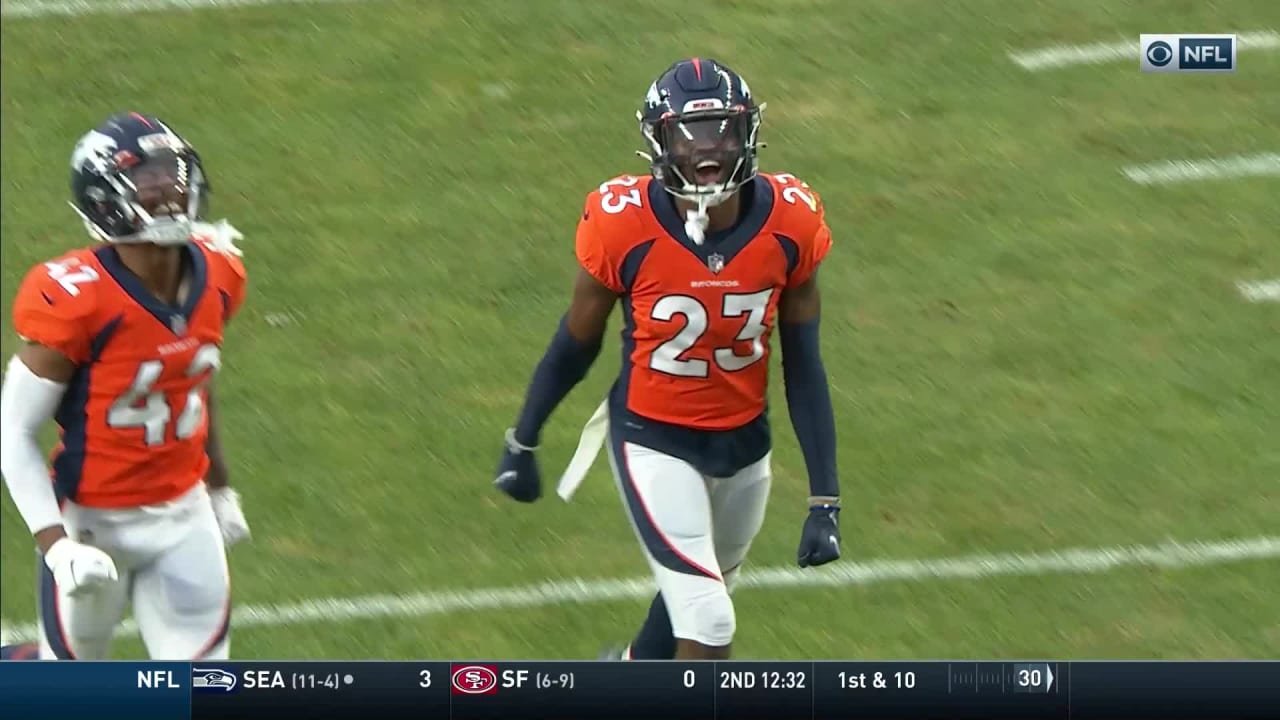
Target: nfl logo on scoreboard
pixel 1188 53
pixel 715 261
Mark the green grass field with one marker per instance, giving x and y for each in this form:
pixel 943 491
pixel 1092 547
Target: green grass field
pixel 1028 351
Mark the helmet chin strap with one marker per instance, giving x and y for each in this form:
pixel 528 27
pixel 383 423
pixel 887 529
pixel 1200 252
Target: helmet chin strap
pixel 165 232
pixel 221 236
pixel 697 220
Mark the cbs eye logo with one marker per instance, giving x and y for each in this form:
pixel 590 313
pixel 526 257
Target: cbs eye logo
pixel 1159 53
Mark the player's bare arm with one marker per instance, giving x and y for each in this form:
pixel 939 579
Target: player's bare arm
pixel 809 403
pixel 217 476
pixel 573 349
pixel 226 501
pixel 589 311
pixel 47 363
pixel 801 304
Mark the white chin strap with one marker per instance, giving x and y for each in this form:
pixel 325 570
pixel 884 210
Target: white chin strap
pixel 221 236
pixel 697 220
pixel 164 232
pixel 695 223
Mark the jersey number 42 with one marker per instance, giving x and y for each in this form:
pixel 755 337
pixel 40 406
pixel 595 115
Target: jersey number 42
pixel 142 406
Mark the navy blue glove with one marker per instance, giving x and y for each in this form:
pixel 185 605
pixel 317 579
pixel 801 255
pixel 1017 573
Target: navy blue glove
pixel 518 471
pixel 820 539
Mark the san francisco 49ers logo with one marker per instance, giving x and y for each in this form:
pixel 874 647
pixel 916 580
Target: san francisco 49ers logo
pixel 474 679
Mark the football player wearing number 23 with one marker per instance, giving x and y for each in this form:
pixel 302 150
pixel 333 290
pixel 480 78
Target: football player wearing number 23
pixel 122 340
pixel 708 257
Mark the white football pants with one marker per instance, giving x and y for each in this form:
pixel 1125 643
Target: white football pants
pixel 695 530
pixel 172 566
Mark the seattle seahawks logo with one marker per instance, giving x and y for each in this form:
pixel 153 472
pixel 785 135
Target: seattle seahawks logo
pixel 212 679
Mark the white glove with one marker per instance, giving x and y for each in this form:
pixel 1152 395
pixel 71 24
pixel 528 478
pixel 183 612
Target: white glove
pixel 79 569
pixel 226 508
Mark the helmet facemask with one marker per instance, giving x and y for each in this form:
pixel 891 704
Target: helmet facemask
pixel 152 200
pixel 704 156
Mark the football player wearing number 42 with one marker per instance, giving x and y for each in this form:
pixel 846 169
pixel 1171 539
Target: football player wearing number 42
pixel 708 256
pixel 122 341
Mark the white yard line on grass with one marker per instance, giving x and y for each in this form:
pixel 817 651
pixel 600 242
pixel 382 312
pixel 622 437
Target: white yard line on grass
pixel 840 574
pixel 1174 171
pixel 1260 291
pixel 1060 56
pixel 45 8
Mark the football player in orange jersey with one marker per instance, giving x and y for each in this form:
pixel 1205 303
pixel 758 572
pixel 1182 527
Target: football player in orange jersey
pixel 708 256
pixel 122 341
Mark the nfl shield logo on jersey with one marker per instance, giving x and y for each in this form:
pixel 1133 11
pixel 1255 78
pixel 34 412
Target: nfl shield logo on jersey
pixel 715 261
pixel 178 324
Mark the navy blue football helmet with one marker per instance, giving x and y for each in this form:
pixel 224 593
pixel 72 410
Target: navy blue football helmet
pixel 134 180
pixel 701 123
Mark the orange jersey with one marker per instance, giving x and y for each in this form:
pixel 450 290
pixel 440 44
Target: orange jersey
pixel 699 317
pixel 133 421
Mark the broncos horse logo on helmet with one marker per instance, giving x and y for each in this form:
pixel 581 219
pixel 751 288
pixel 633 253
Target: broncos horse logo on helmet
pixel 701 124
pixel 134 180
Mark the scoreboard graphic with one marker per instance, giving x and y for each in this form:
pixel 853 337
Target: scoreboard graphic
pixel 669 690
